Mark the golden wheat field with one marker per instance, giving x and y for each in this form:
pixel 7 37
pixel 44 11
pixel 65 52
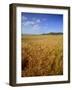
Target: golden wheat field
pixel 42 55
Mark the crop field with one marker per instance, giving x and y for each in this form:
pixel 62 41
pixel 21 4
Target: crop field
pixel 42 55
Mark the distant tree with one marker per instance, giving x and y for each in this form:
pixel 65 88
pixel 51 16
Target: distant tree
pixel 53 33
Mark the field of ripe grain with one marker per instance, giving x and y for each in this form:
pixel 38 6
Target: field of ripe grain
pixel 42 55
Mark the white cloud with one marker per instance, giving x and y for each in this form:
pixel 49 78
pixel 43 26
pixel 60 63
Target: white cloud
pixel 38 21
pixel 33 24
pixel 36 27
pixel 29 23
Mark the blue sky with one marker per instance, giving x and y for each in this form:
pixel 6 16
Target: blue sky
pixel 34 23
